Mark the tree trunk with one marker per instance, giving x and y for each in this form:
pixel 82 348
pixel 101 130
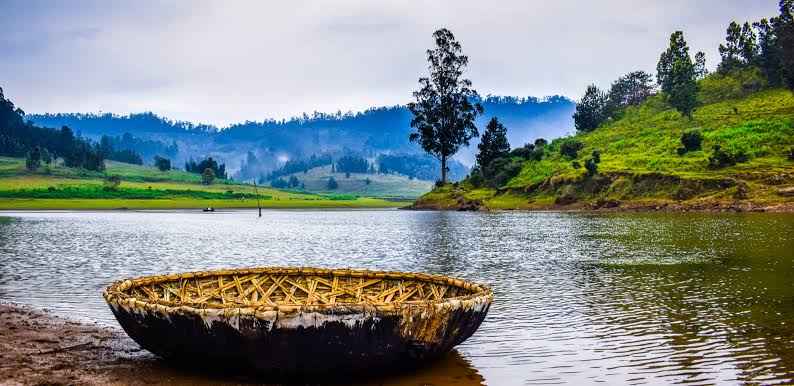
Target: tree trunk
pixel 443 169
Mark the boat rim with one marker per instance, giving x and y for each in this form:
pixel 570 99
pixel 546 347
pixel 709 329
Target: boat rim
pixel 116 293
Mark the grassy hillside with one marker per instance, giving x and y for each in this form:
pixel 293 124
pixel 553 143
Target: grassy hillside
pixel 640 167
pixel 380 185
pixel 58 187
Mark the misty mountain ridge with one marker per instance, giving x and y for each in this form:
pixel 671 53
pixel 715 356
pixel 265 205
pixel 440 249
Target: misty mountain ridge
pixel 369 133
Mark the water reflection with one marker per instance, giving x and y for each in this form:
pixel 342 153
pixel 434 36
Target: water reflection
pixel 580 298
pixel 450 370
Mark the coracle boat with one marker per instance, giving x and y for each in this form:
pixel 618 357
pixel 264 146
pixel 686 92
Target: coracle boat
pixel 303 321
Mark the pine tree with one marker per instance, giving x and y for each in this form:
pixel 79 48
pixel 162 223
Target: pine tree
pixel 677 75
pixel 769 50
pixel 493 144
pixel 786 41
pixel 677 50
pixel 590 111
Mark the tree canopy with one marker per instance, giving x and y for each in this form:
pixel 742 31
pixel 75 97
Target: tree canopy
pixel 493 143
pixel 677 75
pixel 591 109
pixel 444 109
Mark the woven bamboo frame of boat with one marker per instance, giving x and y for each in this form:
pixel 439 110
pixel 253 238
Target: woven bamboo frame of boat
pixel 299 320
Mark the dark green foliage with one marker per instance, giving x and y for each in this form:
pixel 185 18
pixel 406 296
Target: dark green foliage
pixel 352 164
pixel 46 157
pixel 570 148
pixel 218 170
pixel 691 140
pixel 293 182
pixel 279 183
pixel 332 184
pixel 576 165
pixel 525 151
pixel 786 41
pixel 475 178
pixel 208 176
pixel 83 154
pixel 721 158
pixel 677 75
pixel 162 163
pixel 18 137
pixel 530 151
pixel 500 171
pixel 33 159
pixel 740 49
pixel 629 90
pixel 591 110
pixel 112 182
pixel 700 65
pixel 493 143
pixel 443 110
pixel 115 153
pixel 769 50
pixel 591 164
pixel 791 154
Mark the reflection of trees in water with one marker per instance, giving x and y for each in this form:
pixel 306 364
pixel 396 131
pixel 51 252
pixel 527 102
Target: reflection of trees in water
pixel 716 322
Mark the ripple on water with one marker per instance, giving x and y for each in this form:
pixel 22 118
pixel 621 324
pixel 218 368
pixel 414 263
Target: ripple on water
pixel 580 298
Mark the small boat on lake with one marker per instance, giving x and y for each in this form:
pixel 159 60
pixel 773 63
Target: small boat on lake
pixel 299 321
pixel 209 209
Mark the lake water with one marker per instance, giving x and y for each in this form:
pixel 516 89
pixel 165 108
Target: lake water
pixel 579 298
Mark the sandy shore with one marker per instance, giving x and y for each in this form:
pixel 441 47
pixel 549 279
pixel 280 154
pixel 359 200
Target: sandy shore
pixel 37 348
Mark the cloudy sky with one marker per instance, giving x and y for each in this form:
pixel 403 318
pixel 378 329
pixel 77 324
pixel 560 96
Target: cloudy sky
pixel 227 61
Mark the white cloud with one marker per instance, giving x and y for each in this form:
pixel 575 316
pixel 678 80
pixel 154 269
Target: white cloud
pixel 227 61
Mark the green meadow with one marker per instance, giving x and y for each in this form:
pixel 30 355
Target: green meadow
pixel 143 187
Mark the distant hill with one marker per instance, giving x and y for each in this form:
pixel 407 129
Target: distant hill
pixel 382 130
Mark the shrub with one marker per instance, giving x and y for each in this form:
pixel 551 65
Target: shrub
pixel 33 159
pixel 475 178
pixel 112 182
pixel 506 169
pixel 721 158
pixel 164 164
pixel 332 184
pixel 207 176
pixel 591 164
pixel 691 140
pixel 570 148
pixel 576 165
pixel 524 152
pixel 791 154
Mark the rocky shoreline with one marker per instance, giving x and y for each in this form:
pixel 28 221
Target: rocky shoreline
pixel 466 205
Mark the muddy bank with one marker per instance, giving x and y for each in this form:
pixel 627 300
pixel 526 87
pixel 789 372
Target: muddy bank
pixel 37 348
pixel 613 206
pixel 623 192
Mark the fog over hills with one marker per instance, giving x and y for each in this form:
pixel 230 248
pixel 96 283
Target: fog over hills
pixel 369 133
